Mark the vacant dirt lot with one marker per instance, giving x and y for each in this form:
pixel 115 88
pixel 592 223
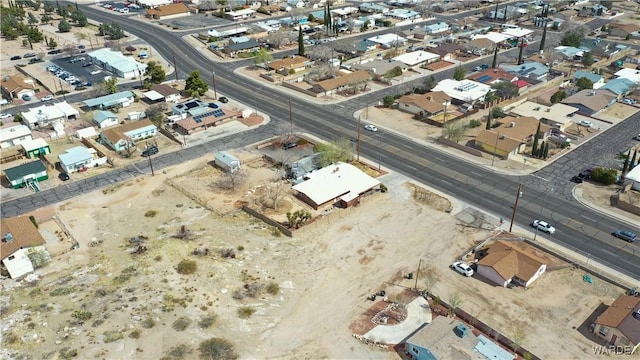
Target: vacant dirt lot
pixel 272 296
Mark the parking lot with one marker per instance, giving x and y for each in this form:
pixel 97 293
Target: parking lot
pixel 81 68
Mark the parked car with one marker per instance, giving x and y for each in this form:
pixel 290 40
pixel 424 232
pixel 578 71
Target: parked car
pixel 462 268
pixel 29 55
pixel 628 101
pixel 95 72
pixel 47 98
pixel 371 127
pixel 53 68
pixel 637 137
pixel 26 97
pixel 16 57
pixel 577 179
pixel 5 116
pixel 481 67
pixel 152 150
pixel 54 51
pixel 63 176
pixel 124 10
pixel 223 99
pixel 585 123
pixel 87 64
pixel 34 60
pixel 81 47
pixel 543 226
pixel 289 145
pixel 625 235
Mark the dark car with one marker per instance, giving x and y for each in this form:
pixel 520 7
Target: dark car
pixel 577 179
pixel 289 145
pixel 63 176
pixel 150 151
pixel 223 99
pixel 16 57
pixel 87 64
pixel 81 46
pixel 625 235
pixel 34 60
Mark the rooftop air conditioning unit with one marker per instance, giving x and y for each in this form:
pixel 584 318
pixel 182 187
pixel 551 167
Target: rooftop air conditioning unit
pixel 512 124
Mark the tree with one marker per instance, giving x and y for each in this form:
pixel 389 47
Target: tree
pixel 262 56
pixel 584 83
pixel 194 85
pixel 458 73
pixel 627 158
pixel 388 100
pixel 454 130
pixel 505 89
pixel 300 42
pixel 32 20
pixel 604 176
pixel 536 137
pixel 217 348
pixel 558 96
pixel 230 180
pixel 274 192
pixel 64 26
pixel 340 150
pixel 494 63
pixel 48 7
pixel 155 74
pixel 572 38
pixel 497 113
pixel 115 31
pixel 79 17
pixel 155 113
pixel 544 36
pixel 278 39
pixel 587 59
pixel 455 301
pixel 46 19
pixel 110 85
pixel 488 127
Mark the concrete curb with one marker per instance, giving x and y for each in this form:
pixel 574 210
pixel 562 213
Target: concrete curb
pixel 576 192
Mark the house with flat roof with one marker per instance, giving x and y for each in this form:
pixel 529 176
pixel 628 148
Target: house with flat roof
pixel 373 8
pixel 226 161
pixel 240 14
pixel 528 70
pixel 403 14
pixel 337 183
pixel 590 101
pixel 78 159
pixel 558 116
pixel 163 92
pixel 510 262
pixel 633 176
pixel 105 118
pixel 12 136
pixel 387 41
pixel 119 99
pixel 26 175
pixel 495 37
pixel 629 74
pixel 463 91
pixel 417 58
pixel 446 338
pixel 125 136
pixel 19 238
pixel 424 105
pixel 115 61
pixel 619 324
pixel 45 115
pixel 511 136
pixel 623 30
pixel 35 148
pixel 170 11
pixel 15 86
pixel 517 32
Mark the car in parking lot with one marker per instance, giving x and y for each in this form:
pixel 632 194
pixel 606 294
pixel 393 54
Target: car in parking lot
pixel 289 145
pixel 54 51
pixel 585 123
pixel 370 127
pixel 577 179
pixel 16 57
pixel 87 64
pixel 53 68
pixel 95 72
pixel 47 98
pixel 481 67
pixel 5 116
pixel 625 235
pixel 152 150
pixel 29 55
pixel 462 268
pixel 543 226
pixel 63 176
pixel 124 10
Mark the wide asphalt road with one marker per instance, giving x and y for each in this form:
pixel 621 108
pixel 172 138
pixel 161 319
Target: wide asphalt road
pixel 579 228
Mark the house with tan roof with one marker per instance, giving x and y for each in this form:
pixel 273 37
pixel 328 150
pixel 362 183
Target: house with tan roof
pixel 19 238
pixel 170 11
pixel 342 81
pixel 296 63
pixel 163 92
pixel 507 262
pixel 481 46
pixel 619 324
pixel 424 105
pixel 623 30
pixel 557 115
pixel 590 101
pixel 511 136
pixel 124 136
pixel 15 86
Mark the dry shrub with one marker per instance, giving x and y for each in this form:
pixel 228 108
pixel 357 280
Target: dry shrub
pixel 273 288
pixel 217 348
pixel 181 323
pixel 207 321
pixel 245 312
pixel 186 267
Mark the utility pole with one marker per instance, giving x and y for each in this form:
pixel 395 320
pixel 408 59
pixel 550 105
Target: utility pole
pixel 415 287
pixel 215 90
pixel 358 137
pixel 515 206
pixel 175 66
pixel 150 163
pixel 290 116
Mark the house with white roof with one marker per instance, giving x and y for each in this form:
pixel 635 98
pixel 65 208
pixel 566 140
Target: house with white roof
pixel 373 8
pixel 496 37
pixel 633 176
pixel 240 14
pixel 48 114
pixel 417 58
pixel 123 66
pixel 463 91
pixel 436 28
pixel 105 118
pixel 337 183
pixel 387 41
pixel 403 14
pixel 630 74
pixel 35 148
pixel 517 32
pixel 79 158
pixel 12 136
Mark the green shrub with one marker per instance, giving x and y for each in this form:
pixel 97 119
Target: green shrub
pixel 67 353
pixel 178 352
pixel 474 123
pixel 383 188
pixel 273 288
pixel 217 348
pixel 62 291
pixel 181 323
pixel 151 213
pixel 148 323
pixel 240 247
pixel 135 334
pixel 82 315
pixel 604 176
pixel 186 267
pixel 245 312
pixel 111 336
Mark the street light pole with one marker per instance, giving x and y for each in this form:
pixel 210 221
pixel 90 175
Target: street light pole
pixel 215 90
pixel 544 200
pixel 515 206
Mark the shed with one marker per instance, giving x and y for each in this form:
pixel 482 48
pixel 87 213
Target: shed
pixel 36 148
pixel 26 174
pixel 227 162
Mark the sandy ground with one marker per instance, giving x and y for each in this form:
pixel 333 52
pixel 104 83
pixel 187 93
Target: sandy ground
pixel 324 274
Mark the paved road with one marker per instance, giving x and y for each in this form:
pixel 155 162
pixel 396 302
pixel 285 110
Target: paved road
pixel 579 228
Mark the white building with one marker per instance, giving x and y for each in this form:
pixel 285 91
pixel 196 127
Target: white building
pixel 45 115
pixel 464 91
pixel 240 14
pixel 517 32
pixel 493 36
pixel 14 135
pixel 388 41
pixel 154 3
pixel 123 66
pixel 630 74
pixel 634 177
pixel 79 158
pixel 417 58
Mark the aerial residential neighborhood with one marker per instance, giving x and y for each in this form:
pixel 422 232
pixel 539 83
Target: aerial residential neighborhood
pixel 401 179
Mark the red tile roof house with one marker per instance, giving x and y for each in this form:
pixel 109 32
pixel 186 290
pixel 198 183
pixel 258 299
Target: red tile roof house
pixel 19 238
pixel 619 325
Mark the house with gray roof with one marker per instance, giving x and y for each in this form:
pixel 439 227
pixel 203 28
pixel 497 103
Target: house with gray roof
pixel 380 67
pixel 105 118
pixel 116 62
pixel 590 101
pixel 436 28
pixel 78 159
pixel 247 46
pixel 528 70
pixel 25 174
pixel 119 99
pixel 373 8
pixel 619 86
pixel 597 80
